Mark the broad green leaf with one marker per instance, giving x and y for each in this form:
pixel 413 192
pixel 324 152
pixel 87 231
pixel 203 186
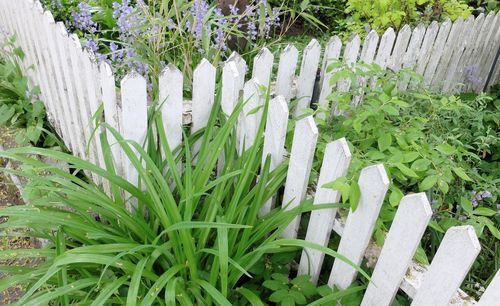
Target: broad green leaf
pixel 446 149
pixel 484 211
pixel 384 142
pixel 428 182
pixel 461 173
pixel 406 171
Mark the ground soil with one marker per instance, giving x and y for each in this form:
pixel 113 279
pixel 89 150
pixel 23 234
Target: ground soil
pixel 9 195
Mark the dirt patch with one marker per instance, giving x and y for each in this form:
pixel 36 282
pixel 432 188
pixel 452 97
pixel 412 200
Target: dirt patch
pixel 9 195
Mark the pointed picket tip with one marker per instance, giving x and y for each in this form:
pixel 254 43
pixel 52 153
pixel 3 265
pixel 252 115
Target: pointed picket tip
pixel 376 176
pixel 388 32
pixel 263 53
pixel 169 69
pixel 231 67
pixel 308 127
pixel 105 69
pixel 341 145
pixel 290 48
pixel 313 44
pixel 133 79
pixel 405 28
pixel 48 16
pixel 433 24
pixel 62 29
pixel 252 84
pixel 354 38
pixel 334 40
pixel 38 7
pixel 466 235
pixel 372 35
pixel 235 56
pixel 280 101
pixel 204 67
pixel 417 203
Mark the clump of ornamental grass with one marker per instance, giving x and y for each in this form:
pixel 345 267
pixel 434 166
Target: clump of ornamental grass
pixel 192 237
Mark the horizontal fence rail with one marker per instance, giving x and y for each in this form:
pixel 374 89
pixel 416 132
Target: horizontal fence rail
pixel 452 57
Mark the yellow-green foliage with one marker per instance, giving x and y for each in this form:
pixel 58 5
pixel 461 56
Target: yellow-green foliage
pixel 380 14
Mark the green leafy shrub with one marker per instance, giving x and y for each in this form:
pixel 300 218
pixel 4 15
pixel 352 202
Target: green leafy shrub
pixel 193 237
pixel 381 14
pixel 19 105
pixel 444 145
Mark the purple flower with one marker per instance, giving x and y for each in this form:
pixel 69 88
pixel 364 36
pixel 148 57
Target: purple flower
pixel 116 52
pixel 171 24
pixel 479 196
pixel 233 10
pixel 82 19
pixel 91 45
pixel 198 11
pixel 127 20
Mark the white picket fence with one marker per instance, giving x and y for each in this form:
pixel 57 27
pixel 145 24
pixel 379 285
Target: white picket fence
pixel 73 87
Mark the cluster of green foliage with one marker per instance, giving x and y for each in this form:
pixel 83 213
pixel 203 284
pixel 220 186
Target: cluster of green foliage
pixel 19 105
pixel 446 146
pixel 381 14
pixel 187 237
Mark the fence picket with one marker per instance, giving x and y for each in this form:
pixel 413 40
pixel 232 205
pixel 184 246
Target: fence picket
pixel 71 103
pixel 411 219
pixel 367 56
pixel 425 52
pixel 454 63
pixel 332 53
pixel 335 163
pixel 492 294
pixel 489 53
pixel 230 87
pixel 170 97
pixel 263 66
pixel 449 48
pixel 286 72
pixel 253 99
pixel 437 51
pixel 400 47
pixel 467 60
pixel 350 56
pixel 474 62
pixel 134 109
pixel 111 112
pixel 373 184
pixel 452 261
pixel 203 94
pixel 242 68
pixel 274 139
pixel 410 57
pixel 307 77
pixel 304 141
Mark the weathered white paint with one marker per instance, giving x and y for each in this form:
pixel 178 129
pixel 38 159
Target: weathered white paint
pixel 350 57
pixel 274 140
pixel 252 112
pixel 373 183
pixel 263 66
pixel 411 219
pixel 170 97
pixel 453 67
pixel 286 72
pixel 112 113
pixel 491 296
pixel 425 52
pixel 230 87
pixel 307 77
pixel 489 53
pixel 467 59
pixel 410 57
pixel 332 54
pixel 449 48
pixel 203 94
pixel 335 163
pixel 400 47
pixel 305 137
pixel 134 110
pixel 450 265
pixel 437 51
pixel 367 56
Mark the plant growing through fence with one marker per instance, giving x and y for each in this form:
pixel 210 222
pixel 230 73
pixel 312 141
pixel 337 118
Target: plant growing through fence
pixel 19 105
pixel 442 145
pixel 191 237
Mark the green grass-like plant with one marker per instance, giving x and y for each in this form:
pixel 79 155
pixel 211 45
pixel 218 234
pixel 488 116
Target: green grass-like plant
pixel 191 237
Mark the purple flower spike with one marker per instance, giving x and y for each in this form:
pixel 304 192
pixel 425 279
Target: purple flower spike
pixel 82 19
